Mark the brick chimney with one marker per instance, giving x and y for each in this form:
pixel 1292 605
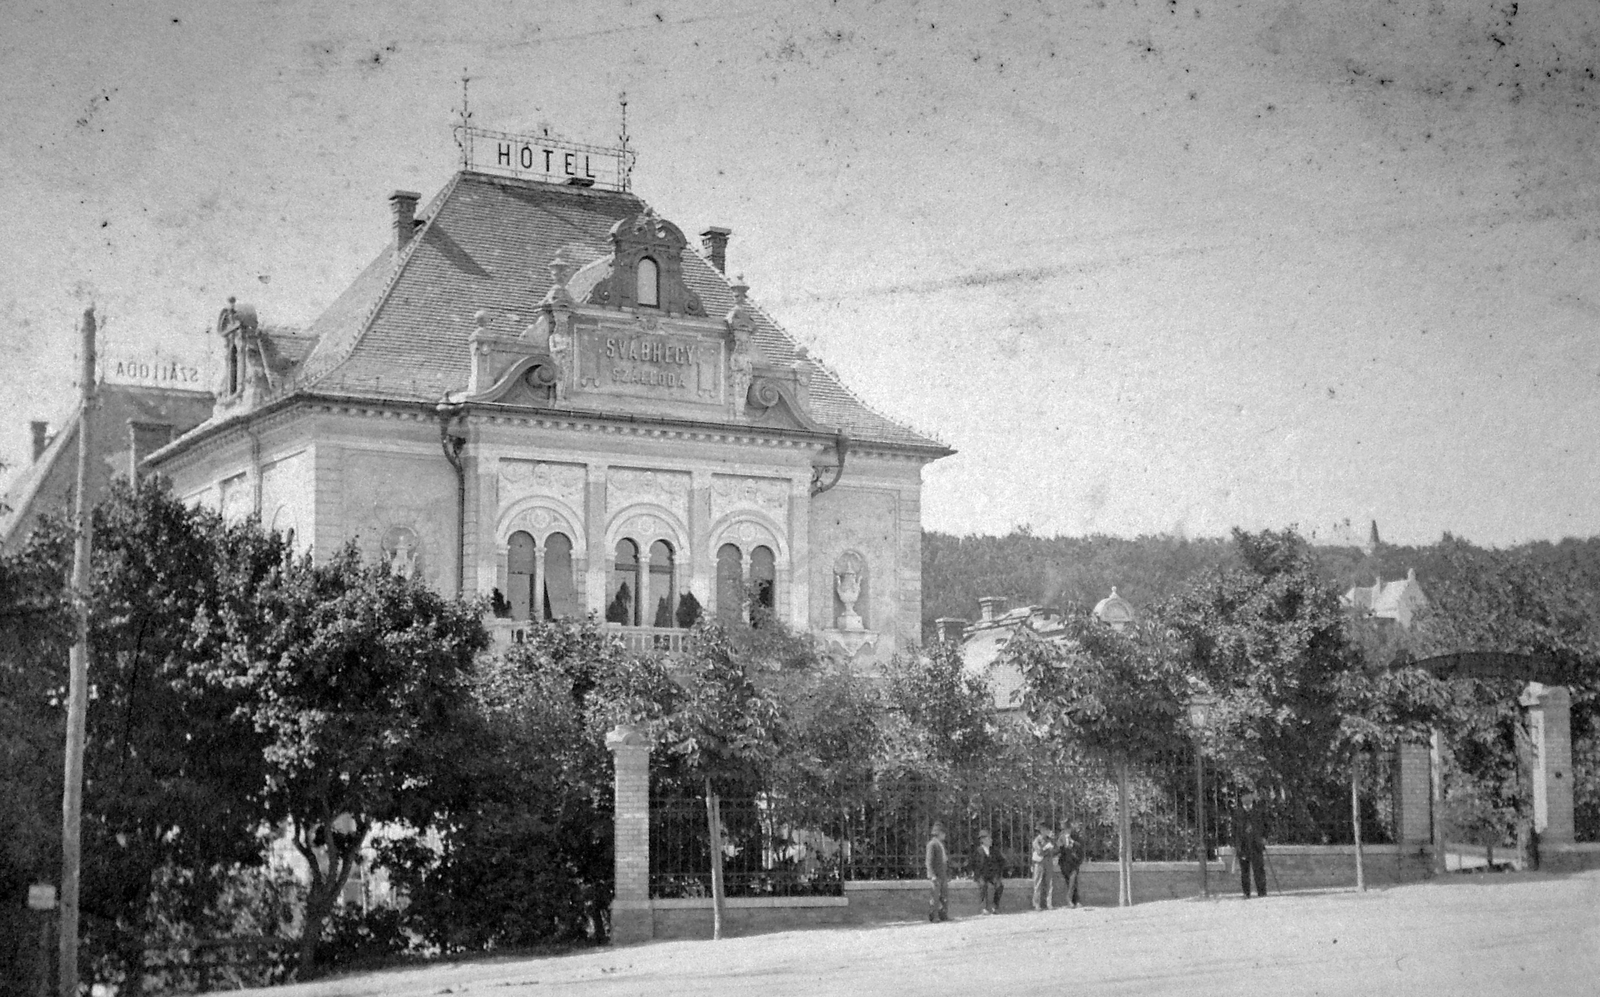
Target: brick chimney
pixel 403 206
pixel 714 241
pixel 41 437
pixel 951 630
pixel 991 606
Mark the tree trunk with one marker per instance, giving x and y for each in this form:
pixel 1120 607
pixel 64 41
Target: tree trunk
pixel 1124 844
pixel 1355 817
pixel 318 906
pixel 714 822
pixel 324 893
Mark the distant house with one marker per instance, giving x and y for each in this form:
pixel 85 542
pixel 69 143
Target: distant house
pixel 131 421
pixel 1399 601
pixel 984 642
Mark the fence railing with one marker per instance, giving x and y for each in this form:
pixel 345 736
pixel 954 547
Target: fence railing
pixel 650 640
pixel 811 840
pixel 206 964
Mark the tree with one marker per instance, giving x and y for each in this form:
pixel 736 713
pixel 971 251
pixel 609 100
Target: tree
pixel 169 803
pixel 359 682
pixel 940 717
pixel 523 853
pixel 723 729
pixel 1541 600
pixel 1116 695
pixel 1268 639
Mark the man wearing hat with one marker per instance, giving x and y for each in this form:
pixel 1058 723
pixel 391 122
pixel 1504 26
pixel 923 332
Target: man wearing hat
pixel 1044 872
pixel 1250 844
pixel 989 869
pixel 938 862
pixel 1069 853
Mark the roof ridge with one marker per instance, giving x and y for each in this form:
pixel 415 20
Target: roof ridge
pixel 403 257
pixel 828 369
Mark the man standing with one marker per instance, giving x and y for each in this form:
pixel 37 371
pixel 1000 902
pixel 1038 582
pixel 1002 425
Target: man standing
pixel 1250 844
pixel 989 869
pixel 1044 872
pixel 1069 852
pixel 938 862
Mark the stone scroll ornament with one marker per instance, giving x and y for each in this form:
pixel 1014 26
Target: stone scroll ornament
pixel 847 572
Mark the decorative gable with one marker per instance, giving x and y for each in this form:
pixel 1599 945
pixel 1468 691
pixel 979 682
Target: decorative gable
pixel 646 268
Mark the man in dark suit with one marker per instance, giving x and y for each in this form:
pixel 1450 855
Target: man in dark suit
pixel 989 869
pixel 1069 854
pixel 938 865
pixel 1250 844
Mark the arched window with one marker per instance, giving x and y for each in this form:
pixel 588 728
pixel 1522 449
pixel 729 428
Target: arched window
pixel 624 605
pixel 233 366
pixel 662 584
pixel 648 280
pixel 764 578
pixel 730 584
pixel 560 596
pixel 519 575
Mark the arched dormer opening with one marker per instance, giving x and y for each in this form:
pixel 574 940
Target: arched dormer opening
pixel 647 283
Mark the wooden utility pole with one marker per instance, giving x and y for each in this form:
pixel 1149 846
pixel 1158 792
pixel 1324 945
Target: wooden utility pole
pixel 78 683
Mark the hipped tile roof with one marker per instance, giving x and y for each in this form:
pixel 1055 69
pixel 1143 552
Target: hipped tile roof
pixel 400 331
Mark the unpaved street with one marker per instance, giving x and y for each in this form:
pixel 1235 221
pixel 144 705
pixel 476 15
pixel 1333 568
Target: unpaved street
pixel 1491 935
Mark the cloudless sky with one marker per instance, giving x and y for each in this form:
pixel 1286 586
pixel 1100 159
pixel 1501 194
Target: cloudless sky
pixel 1150 267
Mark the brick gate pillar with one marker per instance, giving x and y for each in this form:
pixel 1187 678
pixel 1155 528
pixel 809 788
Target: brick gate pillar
pixel 631 917
pixel 1413 810
pixel 1413 796
pixel 1550 729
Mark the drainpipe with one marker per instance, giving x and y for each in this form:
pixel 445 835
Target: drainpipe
pixel 449 412
pixel 820 482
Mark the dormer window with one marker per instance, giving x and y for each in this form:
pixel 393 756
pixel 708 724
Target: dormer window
pixel 648 277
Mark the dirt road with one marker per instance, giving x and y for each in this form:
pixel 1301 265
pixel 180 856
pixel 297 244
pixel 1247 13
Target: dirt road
pixel 1491 935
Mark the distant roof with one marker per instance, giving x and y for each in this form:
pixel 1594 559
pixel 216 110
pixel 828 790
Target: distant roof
pixel 1387 600
pixel 400 330
pixel 45 485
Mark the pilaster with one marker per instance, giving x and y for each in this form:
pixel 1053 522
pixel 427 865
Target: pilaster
pixel 599 558
pixel 702 559
pixel 799 580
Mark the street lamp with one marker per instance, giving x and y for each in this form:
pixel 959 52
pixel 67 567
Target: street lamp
pixel 1199 713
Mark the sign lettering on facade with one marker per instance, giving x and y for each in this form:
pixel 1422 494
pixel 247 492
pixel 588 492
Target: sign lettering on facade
pixel 659 365
pixel 158 371
pixel 546 157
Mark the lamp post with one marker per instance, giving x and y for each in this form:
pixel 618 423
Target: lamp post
pixel 1199 713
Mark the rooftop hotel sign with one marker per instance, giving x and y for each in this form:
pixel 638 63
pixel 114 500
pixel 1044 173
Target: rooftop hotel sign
pixel 546 157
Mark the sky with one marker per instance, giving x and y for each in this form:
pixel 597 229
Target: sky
pixel 1149 267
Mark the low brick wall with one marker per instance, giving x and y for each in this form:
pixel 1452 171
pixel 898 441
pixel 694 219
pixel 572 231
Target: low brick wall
pixel 1326 867
pixel 747 915
pixel 1291 867
pixel 1570 858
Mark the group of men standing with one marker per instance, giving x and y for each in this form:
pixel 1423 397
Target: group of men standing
pixel 1050 850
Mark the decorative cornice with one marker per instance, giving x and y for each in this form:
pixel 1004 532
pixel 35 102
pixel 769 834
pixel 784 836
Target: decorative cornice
pixel 206 439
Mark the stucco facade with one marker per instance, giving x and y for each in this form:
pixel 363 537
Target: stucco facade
pixel 541 394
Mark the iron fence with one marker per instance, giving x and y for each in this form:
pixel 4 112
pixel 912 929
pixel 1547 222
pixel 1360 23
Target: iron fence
pixel 202 965
pixel 810 840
